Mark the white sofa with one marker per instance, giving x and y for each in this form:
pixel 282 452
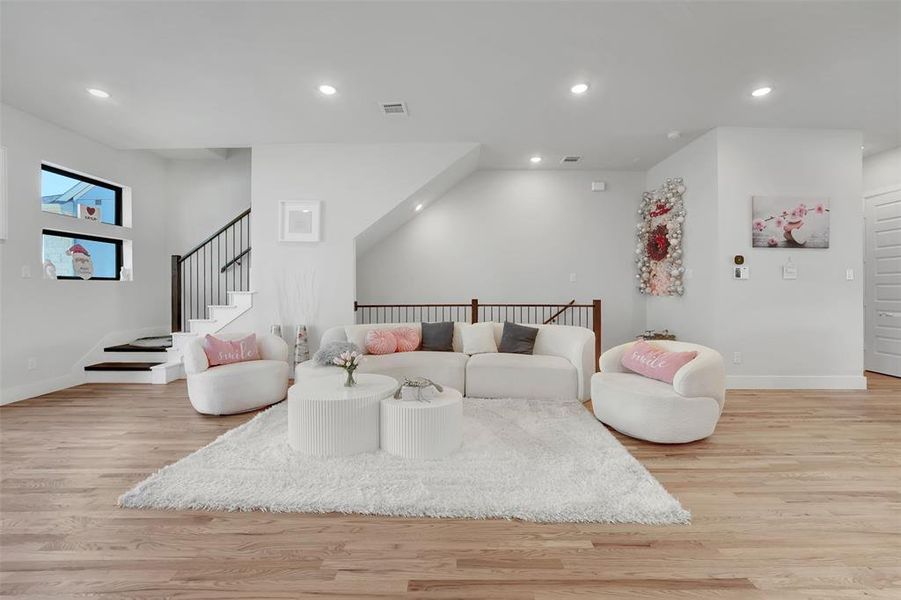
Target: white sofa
pixel 237 387
pixel 561 366
pixel 647 409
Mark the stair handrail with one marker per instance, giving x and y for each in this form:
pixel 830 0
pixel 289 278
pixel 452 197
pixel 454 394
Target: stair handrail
pixel 560 312
pixel 216 234
pixel 238 258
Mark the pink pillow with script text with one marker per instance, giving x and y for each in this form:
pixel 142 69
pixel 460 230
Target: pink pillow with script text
pixel 224 352
pixel 655 362
pixel 407 339
pixel 380 341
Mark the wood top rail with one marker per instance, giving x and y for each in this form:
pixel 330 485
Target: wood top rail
pixel 218 232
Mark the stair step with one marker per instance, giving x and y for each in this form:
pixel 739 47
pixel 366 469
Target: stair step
pixel 133 348
pixel 222 306
pixel 122 366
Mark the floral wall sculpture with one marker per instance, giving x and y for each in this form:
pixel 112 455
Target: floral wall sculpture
pixel 659 251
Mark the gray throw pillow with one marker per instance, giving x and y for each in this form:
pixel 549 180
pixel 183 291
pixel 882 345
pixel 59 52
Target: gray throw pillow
pixel 438 337
pixel 326 355
pixel 518 339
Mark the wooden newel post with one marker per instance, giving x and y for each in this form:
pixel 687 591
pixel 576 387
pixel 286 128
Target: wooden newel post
pixel 596 327
pixel 175 310
pixel 474 311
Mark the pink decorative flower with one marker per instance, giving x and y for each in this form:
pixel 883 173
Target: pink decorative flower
pixel 802 210
pixel 772 242
pixel 796 212
pixel 779 222
pixel 759 224
pixel 819 208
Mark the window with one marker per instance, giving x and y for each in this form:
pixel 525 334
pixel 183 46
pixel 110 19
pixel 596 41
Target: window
pixel 65 249
pixel 63 192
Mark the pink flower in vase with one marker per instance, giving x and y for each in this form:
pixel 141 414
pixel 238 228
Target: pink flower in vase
pixel 779 222
pixel 772 241
pixel 759 224
pixel 819 208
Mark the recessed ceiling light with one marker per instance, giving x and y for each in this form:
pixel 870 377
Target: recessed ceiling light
pixel 674 134
pixel 863 147
pixel 98 93
pixel 328 90
pixel 579 88
pixel 535 160
pixel 761 92
pixel 418 207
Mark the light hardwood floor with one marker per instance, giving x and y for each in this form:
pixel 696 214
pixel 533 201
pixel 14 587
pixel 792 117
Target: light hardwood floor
pixel 797 495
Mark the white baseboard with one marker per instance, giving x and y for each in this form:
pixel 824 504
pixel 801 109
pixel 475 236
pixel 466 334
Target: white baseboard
pixel 796 382
pixel 39 388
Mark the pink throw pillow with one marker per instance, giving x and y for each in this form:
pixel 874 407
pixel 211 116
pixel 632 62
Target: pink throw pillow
pixel 380 341
pixel 655 362
pixel 224 352
pixel 407 339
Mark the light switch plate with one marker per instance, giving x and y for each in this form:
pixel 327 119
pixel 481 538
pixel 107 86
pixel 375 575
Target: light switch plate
pixel 26 272
pixel 741 272
pixel 572 277
pixel 849 274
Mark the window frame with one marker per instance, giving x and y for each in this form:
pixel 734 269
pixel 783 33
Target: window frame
pixel 93 238
pixel 116 189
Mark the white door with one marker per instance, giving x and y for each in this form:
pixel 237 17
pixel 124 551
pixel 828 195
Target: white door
pixel 882 296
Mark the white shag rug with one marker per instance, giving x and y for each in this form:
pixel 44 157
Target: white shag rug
pixel 546 461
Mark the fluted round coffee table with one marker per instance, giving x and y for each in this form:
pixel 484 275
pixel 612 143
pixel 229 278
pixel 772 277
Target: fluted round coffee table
pixel 430 429
pixel 327 419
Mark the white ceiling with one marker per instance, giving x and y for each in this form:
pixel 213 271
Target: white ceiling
pixel 229 74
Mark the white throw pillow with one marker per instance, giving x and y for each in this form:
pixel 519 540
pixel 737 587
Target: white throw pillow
pixel 478 338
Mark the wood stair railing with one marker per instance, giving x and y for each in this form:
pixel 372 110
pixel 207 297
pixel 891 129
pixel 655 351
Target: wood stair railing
pixel 204 275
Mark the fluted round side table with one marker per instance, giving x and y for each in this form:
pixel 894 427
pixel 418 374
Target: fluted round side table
pixel 327 419
pixel 414 429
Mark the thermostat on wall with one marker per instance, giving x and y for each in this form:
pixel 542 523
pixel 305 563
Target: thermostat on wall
pixel 740 272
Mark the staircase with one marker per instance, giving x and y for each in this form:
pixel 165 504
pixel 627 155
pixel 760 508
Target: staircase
pixel 209 290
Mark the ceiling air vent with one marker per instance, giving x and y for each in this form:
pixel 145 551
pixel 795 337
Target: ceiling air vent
pixel 570 160
pixel 394 108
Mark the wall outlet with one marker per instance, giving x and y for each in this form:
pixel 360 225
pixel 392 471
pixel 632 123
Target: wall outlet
pixel 32 364
pixel 849 274
pixel 26 272
pixel 736 358
pixel 572 277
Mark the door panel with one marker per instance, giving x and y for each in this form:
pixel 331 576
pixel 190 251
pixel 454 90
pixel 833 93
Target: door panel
pixel 882 314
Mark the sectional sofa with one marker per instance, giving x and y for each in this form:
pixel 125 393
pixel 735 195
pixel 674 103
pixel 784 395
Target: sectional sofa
pixel 561 365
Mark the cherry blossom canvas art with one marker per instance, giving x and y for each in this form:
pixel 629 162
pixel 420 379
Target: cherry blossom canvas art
pixel 788 222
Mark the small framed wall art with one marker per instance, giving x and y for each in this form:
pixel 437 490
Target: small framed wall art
pixel 299 221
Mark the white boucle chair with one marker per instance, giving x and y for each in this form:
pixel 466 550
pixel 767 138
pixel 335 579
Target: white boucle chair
pixel 237 387
pixel 647 409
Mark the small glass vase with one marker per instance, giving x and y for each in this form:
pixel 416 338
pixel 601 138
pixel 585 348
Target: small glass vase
pixel 350 381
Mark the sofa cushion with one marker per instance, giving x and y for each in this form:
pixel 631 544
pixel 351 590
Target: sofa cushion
pixel 438 337
pixel 655 362
pixel 380 341
pixel 518 339
pixel 520 376
pixel 224 352
pixel 478 338
pixel 444 368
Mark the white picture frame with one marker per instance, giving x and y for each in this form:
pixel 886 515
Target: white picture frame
pixel 299 221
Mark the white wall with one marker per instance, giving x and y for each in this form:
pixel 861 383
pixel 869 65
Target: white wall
pixel 57 322
pixel 804 333
pixel 515 236
pixel 357 184
pixel 882 170
pixel 792 333
pixel 691 316
pixel 204 195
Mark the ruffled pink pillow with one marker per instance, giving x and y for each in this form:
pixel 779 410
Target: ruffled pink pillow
pixel 655 362
pixel 407 339
pixel 224 352
pixel 380 341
